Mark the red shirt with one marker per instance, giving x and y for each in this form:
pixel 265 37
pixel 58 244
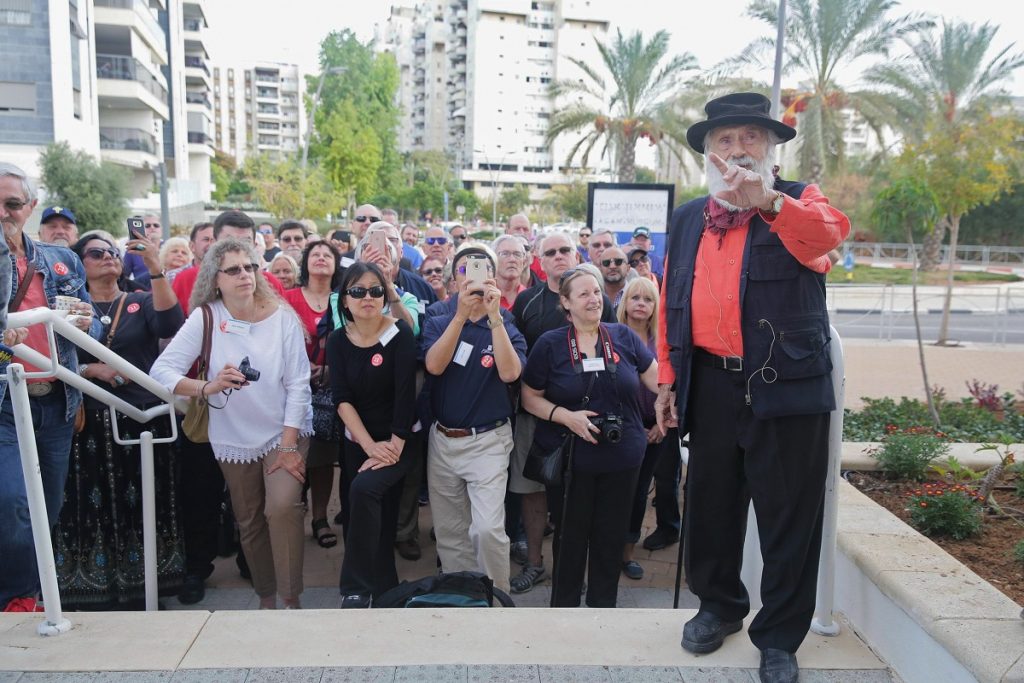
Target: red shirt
pixel 809 228
pixel 537 270
pixel 35 297
pixel 309 317
pixel 506 304
pixel 186 280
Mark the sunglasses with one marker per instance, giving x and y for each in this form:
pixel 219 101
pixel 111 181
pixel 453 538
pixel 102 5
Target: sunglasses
pixel 364 219
pixel 375 292
pixel 432 271
pixel 564 251
pixel 151 225
pixel 569 274
pixel 14 205
pixel 458 238
pixel 638 260
pixel 234 271
pixel 584 234
pixel 609 261
pixel 462 269
pixel 599 245
pixel 436 240
pixel 98 254
pixel 292 239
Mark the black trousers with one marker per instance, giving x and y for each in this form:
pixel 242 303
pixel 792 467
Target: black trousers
pixel 201 492
pixel 778 463
pixel 590 535
pixel 372 499
pixel 661 463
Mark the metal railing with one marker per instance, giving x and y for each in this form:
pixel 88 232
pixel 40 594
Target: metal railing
pixel 198 98
pixel 142 10
pixel 55 322
pixel 197 63
pixel 966 254
pixel 129 139
pixel 127 68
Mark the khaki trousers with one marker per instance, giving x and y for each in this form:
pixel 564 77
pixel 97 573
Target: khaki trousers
pixel 269 512
pixel 467 477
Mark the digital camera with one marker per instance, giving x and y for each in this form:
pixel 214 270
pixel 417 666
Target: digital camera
pixel 611 427
pixel 250 373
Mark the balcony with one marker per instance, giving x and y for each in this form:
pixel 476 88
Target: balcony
pixel 266 78
pixel 128 139
pixel 199 138
pixel 135 14
pixel 197 63
pixel 194 25
pixel 125 81
pixel 198 98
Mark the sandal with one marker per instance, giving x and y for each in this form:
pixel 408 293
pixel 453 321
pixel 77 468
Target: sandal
pixel 531 575
pixel 322 533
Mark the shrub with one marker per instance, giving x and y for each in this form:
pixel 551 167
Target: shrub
pixel 937 510
pixel 906 454
pixel 962 420
pixel 1018 551
pixel 1018 469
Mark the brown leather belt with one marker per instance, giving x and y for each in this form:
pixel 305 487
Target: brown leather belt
pixel 454 433
pixel 728 363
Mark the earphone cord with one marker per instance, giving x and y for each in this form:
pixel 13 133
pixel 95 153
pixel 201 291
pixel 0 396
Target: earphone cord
pixel 764 369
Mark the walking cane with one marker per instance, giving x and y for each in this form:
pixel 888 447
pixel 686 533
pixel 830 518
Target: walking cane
pixel 566 482
pixel 682 529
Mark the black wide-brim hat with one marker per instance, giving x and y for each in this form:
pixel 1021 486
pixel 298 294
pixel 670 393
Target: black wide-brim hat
pixel 737 109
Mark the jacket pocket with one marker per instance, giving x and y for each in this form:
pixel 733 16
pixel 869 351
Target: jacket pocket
pixel 802 347
pixel 772 264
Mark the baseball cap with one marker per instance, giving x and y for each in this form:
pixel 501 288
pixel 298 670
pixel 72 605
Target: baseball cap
pixel 52 211
pixel 635 251
pixel 642 231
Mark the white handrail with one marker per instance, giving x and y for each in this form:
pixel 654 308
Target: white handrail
pixel 55 322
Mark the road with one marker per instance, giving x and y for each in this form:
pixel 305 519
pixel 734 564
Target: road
pixel 967 327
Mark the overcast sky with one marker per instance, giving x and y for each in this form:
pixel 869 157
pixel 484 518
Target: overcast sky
pixel 250 30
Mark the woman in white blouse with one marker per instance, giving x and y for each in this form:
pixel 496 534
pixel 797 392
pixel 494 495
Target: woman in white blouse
pixel 255 426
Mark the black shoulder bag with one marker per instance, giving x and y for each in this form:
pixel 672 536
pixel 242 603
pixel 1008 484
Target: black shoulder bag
pixel 548 466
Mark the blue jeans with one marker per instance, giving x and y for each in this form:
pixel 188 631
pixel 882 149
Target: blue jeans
pixel 19 576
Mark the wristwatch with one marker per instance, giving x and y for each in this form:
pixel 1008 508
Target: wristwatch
pixel 82 367
pixel 777 204
pixel 493 324
pixel 158 276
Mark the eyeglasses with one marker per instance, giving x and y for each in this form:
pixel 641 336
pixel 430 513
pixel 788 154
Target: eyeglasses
pixel 609 261
pixel 235 271
pixel 638 260
pixel 584 234
pixel 289 239
pixel 98 254
pixel 599 245
pixel 14 204
pixel 569 274
pixel 564 251
pixel 375 292
pixel 436 240
pixel 151 225
pixel 432 271
pixel 365 219
pixel 458 238
pixel 512 254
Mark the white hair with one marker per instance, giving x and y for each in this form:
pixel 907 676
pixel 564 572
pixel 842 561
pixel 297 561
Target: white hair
pixel 7 169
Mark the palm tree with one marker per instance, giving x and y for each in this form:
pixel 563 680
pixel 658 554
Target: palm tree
pixel 944 85
pixel 821 38
pixel 631 103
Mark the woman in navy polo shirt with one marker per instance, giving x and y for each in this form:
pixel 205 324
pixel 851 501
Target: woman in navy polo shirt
pixel 610 361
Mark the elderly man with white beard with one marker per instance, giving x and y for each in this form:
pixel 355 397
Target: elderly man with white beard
pixel 744 368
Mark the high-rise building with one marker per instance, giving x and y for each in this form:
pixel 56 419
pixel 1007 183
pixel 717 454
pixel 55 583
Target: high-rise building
pixel 475 80
pixel 258 109
pixel 109 77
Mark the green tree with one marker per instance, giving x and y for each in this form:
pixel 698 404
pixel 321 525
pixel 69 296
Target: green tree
pixel 96 192
pixel 369 84
pixel 513 200
pixel 569 201
pixel 945 82
pixel 998 222
pixel 632 102
pixel 353 157
pixel 281 187
pixel 822 39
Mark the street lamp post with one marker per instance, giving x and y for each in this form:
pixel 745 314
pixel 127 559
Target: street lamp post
pixel 779 47
pixel 312 111
pixel 494 182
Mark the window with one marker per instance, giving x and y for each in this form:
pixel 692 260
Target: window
pixel 16 13
pixel 17 98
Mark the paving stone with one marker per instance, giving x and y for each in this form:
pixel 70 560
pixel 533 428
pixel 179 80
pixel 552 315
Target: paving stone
pixel 717 674
pixel 55 677
pixel 359 674
pixel 286 675
pixel 432 673
pixel 575 674
pixel 9 676
pixel 846 676
pixel 321 598
pixel 645 674
pixel 134 676
pixel 538 597
pixel 210 676
pixel 504 673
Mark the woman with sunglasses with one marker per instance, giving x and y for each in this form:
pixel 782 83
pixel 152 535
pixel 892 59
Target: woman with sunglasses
pixel 373 361
pixel 99 535
pixel 582 381
pixel 258 420
pixel 432 270
pixel 319 273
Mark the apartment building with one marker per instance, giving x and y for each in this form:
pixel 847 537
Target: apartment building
pixel 110 77
pixel 475 78
pixel 258 109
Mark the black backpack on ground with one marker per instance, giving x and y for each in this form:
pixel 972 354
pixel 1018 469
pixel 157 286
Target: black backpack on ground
pixel 458 589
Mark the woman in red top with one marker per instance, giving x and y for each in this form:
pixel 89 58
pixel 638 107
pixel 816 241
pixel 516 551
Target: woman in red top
pixel 319 273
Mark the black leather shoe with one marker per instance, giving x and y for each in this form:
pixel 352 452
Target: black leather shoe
pixel 193 590
pixel 706 632
pixel 661 538
pixel 355 601
pixel 410 549
pixel 778 666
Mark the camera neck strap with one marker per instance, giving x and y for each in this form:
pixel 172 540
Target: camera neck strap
pixel 610 361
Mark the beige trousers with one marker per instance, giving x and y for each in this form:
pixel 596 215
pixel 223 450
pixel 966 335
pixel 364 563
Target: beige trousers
pixel 269 512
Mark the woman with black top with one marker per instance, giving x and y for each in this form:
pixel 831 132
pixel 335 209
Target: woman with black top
pixel 99 538
pixel 373 377
pixel 607 363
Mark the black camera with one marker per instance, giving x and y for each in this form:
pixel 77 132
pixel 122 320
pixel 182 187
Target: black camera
pixel 611 427
pixel 250 373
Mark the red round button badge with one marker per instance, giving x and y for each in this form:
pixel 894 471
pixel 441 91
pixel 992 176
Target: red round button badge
pixel 377 360
pixel 487 361
pixel 615 356
pixel 224 326
pixel 60 268
pixel 133 308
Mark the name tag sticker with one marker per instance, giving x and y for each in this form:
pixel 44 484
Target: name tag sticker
pixel 421 307
pixel 388 334
pixel 593 364
pixel 232 326
pixel 346 261
pixel 462 353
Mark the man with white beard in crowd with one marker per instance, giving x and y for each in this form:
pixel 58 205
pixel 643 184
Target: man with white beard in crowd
pixel 744 368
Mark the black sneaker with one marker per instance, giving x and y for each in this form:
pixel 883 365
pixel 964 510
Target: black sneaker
pixel 661 538
pixel 706 632
pixel 355 601
pixel 193 590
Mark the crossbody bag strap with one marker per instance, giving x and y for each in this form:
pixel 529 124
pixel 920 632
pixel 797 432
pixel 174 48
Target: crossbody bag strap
pixel 204 354
pixel 30 271
pixel 590 386
pixel 117 317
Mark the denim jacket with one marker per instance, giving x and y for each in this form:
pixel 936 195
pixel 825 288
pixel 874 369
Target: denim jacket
pixel 49 259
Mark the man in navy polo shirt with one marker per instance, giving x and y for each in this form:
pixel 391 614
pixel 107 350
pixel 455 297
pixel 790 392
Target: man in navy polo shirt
pixel 472 354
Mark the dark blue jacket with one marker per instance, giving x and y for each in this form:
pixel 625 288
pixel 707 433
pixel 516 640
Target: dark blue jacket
pixel 784 320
